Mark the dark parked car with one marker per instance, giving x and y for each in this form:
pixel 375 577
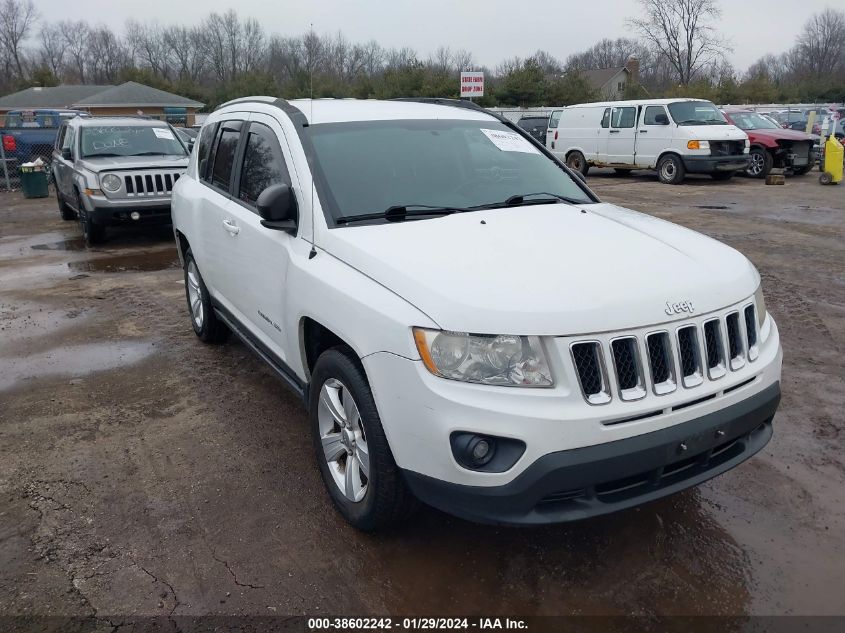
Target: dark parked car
pixel 536 126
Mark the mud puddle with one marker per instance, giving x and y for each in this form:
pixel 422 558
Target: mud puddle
pixel 73 244
pixel 134 262
pixel 72 361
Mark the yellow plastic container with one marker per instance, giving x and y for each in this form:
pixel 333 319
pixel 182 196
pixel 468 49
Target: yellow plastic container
pixel 834 154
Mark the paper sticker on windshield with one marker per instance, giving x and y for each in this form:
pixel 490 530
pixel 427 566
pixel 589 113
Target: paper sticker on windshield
pixel 510 141
pixel 161 132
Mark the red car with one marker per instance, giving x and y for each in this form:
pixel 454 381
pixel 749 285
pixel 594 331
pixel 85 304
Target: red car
pixel 772 146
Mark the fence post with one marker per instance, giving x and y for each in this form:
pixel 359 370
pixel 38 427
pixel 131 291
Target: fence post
pixel 5 168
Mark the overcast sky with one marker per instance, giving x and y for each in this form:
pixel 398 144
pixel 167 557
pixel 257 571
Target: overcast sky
pixel 491 29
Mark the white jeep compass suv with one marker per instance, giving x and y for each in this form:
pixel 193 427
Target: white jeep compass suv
pixel 467 323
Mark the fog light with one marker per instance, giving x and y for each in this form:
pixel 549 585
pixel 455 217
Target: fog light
pixel 480 450
pixel 485 453
pixel 135 215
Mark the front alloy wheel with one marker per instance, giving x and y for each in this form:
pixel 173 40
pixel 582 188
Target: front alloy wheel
pixel 344 440
pixel 759 163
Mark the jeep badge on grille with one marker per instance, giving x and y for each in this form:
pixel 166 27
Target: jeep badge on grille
pixel 678 307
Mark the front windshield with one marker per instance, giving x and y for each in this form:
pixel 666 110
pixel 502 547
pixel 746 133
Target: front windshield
pixel 696 113
pixel 752 121
pixel 371 166
pixel 129 140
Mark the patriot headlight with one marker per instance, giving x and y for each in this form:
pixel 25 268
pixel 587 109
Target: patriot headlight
pixel 110 183
pixel 503 360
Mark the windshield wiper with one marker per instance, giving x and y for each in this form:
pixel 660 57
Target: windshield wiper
pixel 522 199
pixel 401 212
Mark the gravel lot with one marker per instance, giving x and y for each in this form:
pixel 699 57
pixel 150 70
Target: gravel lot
pixel 144 473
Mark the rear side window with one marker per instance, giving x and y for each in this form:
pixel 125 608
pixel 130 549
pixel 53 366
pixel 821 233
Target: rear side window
pixel 605 119
pixel 263 164
pixel 554 118
pixel 623 117
pixel 652 113
pixel 224 154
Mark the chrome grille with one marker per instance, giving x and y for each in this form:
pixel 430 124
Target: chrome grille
pixel 690 355
pixel 156 183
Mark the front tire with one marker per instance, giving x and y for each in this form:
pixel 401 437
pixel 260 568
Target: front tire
pixel 203 319
pixel 92 233
pixel 670 170
pixel 355 460
pixel 64 208
pixel 575 161
pixel 760 163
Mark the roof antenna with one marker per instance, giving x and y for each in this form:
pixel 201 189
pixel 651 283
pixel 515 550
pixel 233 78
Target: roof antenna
pixel 313 252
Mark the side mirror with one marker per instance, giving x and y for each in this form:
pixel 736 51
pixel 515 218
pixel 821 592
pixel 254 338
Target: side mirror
pixel 661 119
pixel 66 153
pixel 277 207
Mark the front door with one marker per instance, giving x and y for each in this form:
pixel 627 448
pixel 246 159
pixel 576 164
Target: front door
pixel 619 148
pixel 654 135
pixel 263 254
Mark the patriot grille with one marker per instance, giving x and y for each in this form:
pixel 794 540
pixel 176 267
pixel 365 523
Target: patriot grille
pixel 148 184
pixel 661 360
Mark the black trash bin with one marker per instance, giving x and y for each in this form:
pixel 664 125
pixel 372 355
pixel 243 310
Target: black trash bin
pixel 34 182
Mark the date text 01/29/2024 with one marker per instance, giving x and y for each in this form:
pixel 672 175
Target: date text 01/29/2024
pixel 429 624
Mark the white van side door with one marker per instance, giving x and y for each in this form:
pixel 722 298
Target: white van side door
pixel 620 147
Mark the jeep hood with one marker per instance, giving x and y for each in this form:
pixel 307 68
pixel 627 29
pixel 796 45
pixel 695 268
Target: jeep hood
pixel 547 269
pixel 112 163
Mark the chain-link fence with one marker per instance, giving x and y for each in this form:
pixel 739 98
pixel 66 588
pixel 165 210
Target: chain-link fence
pixel 24 141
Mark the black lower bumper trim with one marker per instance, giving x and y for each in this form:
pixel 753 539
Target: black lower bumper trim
pixel 711 164
pixel 584 482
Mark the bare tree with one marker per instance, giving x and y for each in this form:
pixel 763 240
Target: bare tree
pixel 52 50
pixel 821 43
pixel 682 32
pixel 17 18
pixel 607 53
pixel 107 55
pixel 75 38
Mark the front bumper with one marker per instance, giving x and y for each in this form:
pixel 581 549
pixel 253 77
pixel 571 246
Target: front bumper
pixel 112 212
pixel 594 480
pixel 712 164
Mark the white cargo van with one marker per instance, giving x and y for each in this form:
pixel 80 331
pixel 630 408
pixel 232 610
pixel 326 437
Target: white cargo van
pixel 673 136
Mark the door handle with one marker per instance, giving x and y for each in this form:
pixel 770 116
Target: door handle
pixel 614 131
pixel 643 131
pixel 230 226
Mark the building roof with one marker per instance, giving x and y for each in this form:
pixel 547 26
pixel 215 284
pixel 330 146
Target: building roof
pixel 49 97
pixel 598 77
pixel 132 94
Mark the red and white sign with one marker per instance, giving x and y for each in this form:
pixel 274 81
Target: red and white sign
pixel 472 84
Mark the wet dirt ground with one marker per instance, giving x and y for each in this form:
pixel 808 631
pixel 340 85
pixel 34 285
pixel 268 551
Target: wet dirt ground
pixel 144 473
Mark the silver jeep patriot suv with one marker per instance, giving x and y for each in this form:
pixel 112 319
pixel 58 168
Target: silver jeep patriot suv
pixel 116 170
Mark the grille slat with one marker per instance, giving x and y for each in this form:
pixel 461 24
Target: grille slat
pixel 626 361
pixel 690 356
pixel 590 369
pixel 715 349
pixel 661 362
pixel 736 346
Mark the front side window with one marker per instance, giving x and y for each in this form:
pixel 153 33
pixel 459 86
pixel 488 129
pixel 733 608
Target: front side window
pixel 129 140
pixel 623 117
pixel 371 166
pixel 696 113
pixel 263 164
pixel 60 137
pixel 204 149
pixel 554 118
pixel 605 118
pixel 224 156
pixel 655 115
pixel 67 143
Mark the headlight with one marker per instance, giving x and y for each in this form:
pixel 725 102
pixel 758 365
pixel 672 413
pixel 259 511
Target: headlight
pixel 760 305
pixel 505 360
pixel 698 144
pixel 110 182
